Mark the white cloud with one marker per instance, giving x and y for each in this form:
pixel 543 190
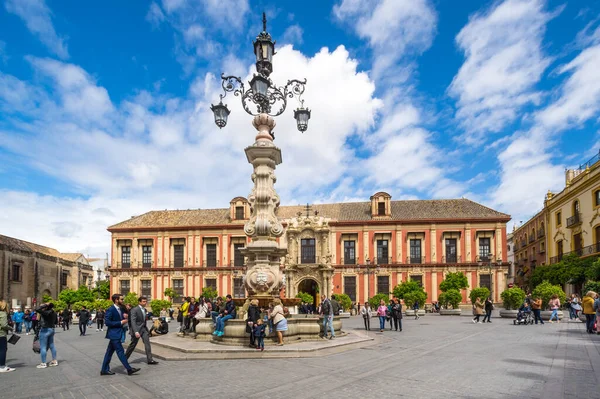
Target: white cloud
pixel 393 28
pixel 504 61
pixel 155 15
pixel 38 18
pixel 158 151
pixel 528 170
pixel 293 34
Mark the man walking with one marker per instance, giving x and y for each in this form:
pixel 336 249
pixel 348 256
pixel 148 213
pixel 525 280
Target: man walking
pixel 115 319
pixel 327 312
pixel 84 317
pixel 18 320
pixel 66 318
pixel 140 330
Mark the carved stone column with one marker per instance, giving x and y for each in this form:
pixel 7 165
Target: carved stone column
pixel 263 277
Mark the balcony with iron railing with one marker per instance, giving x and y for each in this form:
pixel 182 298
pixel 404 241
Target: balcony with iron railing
pixel 348 261
pixel 523 243
pixel 415 259
pixel 531 238
pixel 178 263
pixel 574 220
pixel 540 233
pixel 124 265
pixel 309 259
pixel 210 263
pixel 383 261
pixel 593 249
pixel 451 259
pixel 542 250
pixel 145 265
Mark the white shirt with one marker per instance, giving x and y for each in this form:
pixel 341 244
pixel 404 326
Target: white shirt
pixel 143 312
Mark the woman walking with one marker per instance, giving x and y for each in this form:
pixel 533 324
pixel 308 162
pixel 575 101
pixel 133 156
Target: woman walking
pixel 47 322
pixel 477 310
pixel 366 314
pixel 489 306
pixel 576 306
pixel 4 329
pixel 381 312
pixel 554 304
pixel 588 311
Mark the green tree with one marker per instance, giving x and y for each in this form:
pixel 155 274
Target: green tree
pixel 77 306
pixel 171 294
pixel 46 298
pixel 572 269
pixel 305 297
pixel 481 293
pixel 158 304
pixel 102 304
pixel 407 286
pixel 591 286
pixel 59 305
pixel 374 301
pixel 131 299
pixel 68 296
pixel 457 281
pixel 413 296
pixel 209 293
pixel 344 300
pixel 452 297
pixel 512 298
pixel 546 290
pixel 84 294
pixel 102 290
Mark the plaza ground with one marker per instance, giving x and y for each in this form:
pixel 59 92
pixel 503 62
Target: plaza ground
pixel 436 356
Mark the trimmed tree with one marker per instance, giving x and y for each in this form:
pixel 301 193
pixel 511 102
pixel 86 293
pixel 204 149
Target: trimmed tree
pixel 209 293
pixel 546 290
pixel 413 296
pixel 481 293
pixel 452 297
pixel 158 304
pixel 305 297
pixel 131 299
pixel 374 301
pixel 457 281
pixel 512 298
pixel 171 294
pixel 406 286
pixel 344 300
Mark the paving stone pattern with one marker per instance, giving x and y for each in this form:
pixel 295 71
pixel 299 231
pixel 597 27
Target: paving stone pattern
pixel 434 357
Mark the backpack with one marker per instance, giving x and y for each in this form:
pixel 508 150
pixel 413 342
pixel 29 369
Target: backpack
pixel 336 308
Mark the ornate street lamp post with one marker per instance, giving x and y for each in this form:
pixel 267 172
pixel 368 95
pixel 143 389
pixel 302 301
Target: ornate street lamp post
pixel 263 100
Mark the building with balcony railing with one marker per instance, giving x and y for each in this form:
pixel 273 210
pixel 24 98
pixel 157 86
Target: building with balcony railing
pixel 331 247
pixel 532 239
pixel 573 221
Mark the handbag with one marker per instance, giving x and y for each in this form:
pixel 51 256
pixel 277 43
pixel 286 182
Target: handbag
pixel 14 339
pixel 36 346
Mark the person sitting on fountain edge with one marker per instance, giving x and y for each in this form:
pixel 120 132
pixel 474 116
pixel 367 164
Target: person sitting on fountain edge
pixel 227 313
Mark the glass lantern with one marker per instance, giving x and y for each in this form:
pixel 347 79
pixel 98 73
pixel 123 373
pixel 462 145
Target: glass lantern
pixel 302 116
pixel 221 113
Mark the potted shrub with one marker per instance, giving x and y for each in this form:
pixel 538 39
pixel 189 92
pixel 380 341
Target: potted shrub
pixel 451 298
pixel 411 291
pixel 512 299
pixel 451 293
pixel 545 291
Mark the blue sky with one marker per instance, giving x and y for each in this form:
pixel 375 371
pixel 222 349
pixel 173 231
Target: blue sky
pixel 104 107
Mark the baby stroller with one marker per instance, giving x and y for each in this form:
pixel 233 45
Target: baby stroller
pixel 524 316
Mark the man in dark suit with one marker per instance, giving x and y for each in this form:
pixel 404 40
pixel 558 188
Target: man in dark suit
pixel 84 317
pixel 137 316
pixel 115 319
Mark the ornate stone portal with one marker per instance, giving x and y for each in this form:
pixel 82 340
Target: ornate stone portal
pixel 318 267
pixel 263 279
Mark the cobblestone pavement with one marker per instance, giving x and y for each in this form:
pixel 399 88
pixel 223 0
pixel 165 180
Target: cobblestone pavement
pixel 433 357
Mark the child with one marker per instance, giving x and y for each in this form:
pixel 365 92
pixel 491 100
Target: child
pixel 259 334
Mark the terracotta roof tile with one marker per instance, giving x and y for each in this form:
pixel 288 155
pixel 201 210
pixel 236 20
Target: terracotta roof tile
pixel 409 210
pixel 28 246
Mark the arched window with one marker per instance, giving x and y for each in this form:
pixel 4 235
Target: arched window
pixel 575 208
pixel 542 229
